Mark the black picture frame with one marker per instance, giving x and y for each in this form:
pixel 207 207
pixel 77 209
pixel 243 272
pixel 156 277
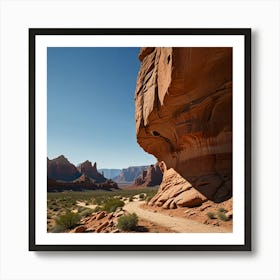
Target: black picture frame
pixel 33 245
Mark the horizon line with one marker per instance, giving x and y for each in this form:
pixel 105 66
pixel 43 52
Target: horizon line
pixel 92 162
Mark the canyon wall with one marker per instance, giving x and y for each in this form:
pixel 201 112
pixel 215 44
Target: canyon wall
pixel 183 115
pixel 150 177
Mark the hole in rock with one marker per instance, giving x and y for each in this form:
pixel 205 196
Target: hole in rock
pixel 168 59
pixel 155 133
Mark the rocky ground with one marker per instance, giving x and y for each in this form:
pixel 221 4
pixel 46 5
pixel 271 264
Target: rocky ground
pixel 208 213
pixel 102 222
pixel 209 217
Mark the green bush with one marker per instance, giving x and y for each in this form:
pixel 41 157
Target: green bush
pixel 112 204
pixel 97 209
pixel 149 197
pixel 142 196
pixel 98 200
pixel 127 222
pixel 211 215
pixel 57 229
pixel 222 210
pixel 68 220
pixel 222 216
pixel 86 212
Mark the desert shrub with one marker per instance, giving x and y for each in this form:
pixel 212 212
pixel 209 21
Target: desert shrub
pixel 112 204
pixel 98 200
pixel 149 197
pixel 97 208
pixel 142 196
pixel 130 198
pixel 222 216
pixel 87 212
pixel 222 210
pixel 57 229
pixel 211 215
pixel 127 222
pixel 68 220
pixel 81 209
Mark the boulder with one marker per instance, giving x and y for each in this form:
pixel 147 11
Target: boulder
pixel 102 226
pixel 100 215
pixel 175 192
pixel 80 229
pixel 229 214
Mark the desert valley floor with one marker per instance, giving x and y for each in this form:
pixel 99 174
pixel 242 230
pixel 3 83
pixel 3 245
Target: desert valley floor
pixel 87 212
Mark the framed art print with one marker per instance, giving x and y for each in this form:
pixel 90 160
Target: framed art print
pixel 140 139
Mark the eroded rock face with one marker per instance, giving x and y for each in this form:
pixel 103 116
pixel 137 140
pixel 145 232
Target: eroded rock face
pixel 150 177
pixel 175 191
pixel 129 174
pixel 90 171
pixel 61 169
pixel 183 114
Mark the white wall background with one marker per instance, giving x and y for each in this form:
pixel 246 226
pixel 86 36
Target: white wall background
pixel 16 262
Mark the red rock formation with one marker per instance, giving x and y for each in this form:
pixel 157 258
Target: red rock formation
pixel 82 179
pixel 129 174
pixel 61 169
pixel 183 102
pixel 91 171
pixel 175 191
pixel 152 176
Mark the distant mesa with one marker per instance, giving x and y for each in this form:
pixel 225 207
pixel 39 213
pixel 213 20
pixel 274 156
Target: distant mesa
pixel 128 175
pixel 110 173
pixel 83 179
pixel 90 171
pixel 62 170
pixel 150 177
pixel 63 175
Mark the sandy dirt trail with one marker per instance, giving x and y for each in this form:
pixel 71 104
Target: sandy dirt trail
pixel 175 224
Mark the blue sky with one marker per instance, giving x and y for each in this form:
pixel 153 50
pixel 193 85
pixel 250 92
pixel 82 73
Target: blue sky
pixel 91 106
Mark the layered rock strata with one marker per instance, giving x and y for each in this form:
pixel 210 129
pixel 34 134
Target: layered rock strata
pixel 61 169
pixel 150 177
pixel 128 175
pixel 90 170
pixel 183 114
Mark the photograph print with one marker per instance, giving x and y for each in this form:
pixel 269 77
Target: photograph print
pixel 141 139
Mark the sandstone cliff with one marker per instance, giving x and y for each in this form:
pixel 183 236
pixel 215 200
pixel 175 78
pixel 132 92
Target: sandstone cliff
pixel 110 173
pixel 150 177
pixel 128 175
pixel 61 169
pixel 183 114
pixel 90 170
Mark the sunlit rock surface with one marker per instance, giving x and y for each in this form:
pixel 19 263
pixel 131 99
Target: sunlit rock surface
pixel 183 117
